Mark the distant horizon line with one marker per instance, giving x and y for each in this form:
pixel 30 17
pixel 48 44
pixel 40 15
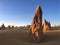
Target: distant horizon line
pixel 18 25
pixel 13 24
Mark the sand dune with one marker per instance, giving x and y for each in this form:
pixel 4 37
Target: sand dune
pixel 21 37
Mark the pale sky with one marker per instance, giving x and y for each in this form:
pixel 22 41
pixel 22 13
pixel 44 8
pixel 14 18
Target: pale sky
pixel 20 12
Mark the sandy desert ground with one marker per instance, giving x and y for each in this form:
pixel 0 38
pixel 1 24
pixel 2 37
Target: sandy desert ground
pixel 19 36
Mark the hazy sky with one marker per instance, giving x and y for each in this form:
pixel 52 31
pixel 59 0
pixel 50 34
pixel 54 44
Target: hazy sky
pixel 20 12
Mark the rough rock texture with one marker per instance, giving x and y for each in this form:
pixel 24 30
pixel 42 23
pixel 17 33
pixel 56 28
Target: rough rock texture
pixel 46 25
pixel 36 25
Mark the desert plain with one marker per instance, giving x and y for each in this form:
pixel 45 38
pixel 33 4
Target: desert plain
pixel 20 36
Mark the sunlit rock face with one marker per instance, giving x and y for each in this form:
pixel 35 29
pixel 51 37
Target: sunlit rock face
pixel 46 25
pixel 36 25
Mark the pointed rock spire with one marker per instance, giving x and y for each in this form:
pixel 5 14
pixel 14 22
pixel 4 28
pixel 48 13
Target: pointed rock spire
pixel 46 25
pixel 38 9
pixel 36 25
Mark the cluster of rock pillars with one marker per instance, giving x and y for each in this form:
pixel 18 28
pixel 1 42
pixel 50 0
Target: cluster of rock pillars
pixel 36 27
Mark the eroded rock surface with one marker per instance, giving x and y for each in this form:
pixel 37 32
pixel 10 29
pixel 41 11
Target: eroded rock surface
pixel 36 25
pixel 46 25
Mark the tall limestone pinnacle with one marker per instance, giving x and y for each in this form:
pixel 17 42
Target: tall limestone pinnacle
pixel 39 15
pixel 36 25
pixel 38 9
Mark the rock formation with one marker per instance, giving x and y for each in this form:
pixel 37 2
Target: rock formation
pixel 9 26
pixel 3 26
pixel 12 26
pixel 46 25
pixel 36 33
